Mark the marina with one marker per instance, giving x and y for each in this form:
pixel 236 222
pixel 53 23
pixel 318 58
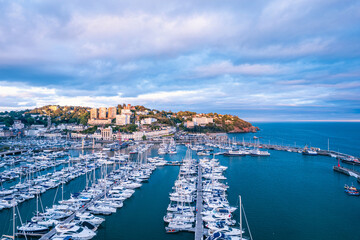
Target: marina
pixel 172 120
pixel 199 180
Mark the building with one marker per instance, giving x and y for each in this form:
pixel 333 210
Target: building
pixel 37 126
pixel 202 121
pixel 93 113
pixel 145 112
pixel 6 133
pixel 99 121
pixel 111 112
pixel 148 121
pixel 162 132
pixel 123 119
pixel 18 124
pixel 53 107
pixel 126 111
pixel 189 124
pixel 102 113
pixel 71 127
pixel 107 133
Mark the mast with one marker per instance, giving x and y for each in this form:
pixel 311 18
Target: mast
pixel 328 144
pixel 37 205
pixel 86 175
pixel 82 146
pixel 94 171
pixel 14 215
pixel 240 222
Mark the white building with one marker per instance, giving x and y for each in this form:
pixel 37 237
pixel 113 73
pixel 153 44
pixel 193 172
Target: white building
pixel 159 133
pixel 202 121
pixel 52 135
pixel 18 124
pixel 146 112
pixel 107 133
pixel 37 126
pixel 148 121
pixel 71 127
pixel 96 135
pixel 123 119
pixel 126 111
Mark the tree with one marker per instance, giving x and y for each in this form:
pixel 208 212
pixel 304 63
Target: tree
pixel 144 137
pixel 131 128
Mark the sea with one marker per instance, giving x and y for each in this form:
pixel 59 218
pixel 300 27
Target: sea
pixel 287 196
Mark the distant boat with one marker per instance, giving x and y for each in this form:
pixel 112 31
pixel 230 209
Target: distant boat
pixel 352 191
pixel 308 151
pixel 257 152
pixel 235 153
pixel 350 160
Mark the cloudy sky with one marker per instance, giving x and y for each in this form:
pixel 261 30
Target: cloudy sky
pixel 262 60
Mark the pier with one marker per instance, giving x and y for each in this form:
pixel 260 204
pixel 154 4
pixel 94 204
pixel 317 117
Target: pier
pixel 14 152
pixel 174 163
pixel 199 225
pixel 347 171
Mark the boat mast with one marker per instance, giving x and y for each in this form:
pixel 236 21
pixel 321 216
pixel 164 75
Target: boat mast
pixel 240 222
pixel 14 215
pixel 37 205
pixel 86 175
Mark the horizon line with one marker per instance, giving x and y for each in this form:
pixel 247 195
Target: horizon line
pixel 313 120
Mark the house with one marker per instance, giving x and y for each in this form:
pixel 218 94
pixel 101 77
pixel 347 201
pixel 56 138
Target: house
pixel 148 121
pixel 18 124
pixel 189 124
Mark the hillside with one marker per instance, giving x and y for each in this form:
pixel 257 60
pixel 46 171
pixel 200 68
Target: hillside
pixel 221 123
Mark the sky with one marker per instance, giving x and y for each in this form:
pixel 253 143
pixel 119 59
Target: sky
pixel 276 60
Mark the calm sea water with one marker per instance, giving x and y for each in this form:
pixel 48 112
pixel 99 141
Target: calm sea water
pixel 343 137
pixel 286 196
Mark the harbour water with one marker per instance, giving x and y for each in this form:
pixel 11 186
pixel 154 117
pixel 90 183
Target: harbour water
pixel 342 136
pixel 285 196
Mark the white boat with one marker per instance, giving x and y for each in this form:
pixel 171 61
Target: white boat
pixel 75 232
pixel 179 225
pixel 101 209
pixel 86 216
pixel 31 227
pixel 257 152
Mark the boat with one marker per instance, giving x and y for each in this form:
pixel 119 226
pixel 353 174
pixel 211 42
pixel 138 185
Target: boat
pixel 32 227
pixel 309 151
pixel 350 160
pixel 352 188
pixel 86 216
pixel 352 193
pixel 74 232
pixel 257 152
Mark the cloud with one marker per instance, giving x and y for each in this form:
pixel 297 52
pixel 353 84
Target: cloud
pixel 226 67
pixel 234 55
